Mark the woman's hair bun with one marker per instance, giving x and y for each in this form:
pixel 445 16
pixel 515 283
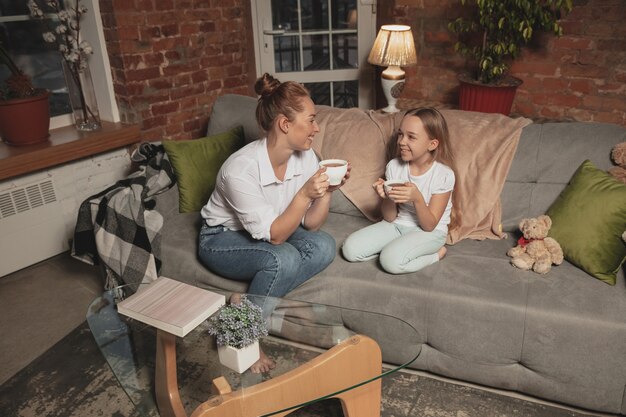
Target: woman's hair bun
pixel 266 85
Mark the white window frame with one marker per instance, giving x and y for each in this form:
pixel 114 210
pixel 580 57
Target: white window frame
pixel 366 76
pixel 92 31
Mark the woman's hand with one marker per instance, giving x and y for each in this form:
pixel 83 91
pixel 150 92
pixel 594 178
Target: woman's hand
pixel 408 192
pixel 316 186
pixel 346 177
pixel 379 188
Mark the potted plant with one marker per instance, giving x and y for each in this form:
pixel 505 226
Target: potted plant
pixel 237 328
pixel 493 36
pixel 24 109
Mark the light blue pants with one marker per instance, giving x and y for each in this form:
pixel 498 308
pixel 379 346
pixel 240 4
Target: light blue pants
pixel 401 249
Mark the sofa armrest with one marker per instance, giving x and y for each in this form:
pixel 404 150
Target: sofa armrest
pixel 167 203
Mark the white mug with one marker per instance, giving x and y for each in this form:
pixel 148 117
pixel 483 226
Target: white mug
pixel 335 169
pixel 388 185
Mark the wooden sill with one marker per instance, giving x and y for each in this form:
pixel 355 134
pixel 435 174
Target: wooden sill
pixel 66 144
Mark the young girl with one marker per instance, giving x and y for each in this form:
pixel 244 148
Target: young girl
pixel 416 214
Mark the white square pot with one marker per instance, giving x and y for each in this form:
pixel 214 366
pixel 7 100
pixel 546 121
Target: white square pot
pixel 239 359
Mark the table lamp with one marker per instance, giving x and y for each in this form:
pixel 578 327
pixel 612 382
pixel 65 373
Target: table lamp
pixel 393 47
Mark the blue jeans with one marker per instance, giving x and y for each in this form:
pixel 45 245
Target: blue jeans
pixel 273 270
pixel 402 249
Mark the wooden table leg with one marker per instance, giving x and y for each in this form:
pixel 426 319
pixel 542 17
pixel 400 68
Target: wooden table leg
pixel 166 383
pixel 355 360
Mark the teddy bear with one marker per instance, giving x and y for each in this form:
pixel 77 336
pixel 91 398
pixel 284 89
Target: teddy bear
pixel 618 154
pixel 535 250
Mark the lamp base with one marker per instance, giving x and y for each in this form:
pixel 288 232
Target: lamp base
pixel 392 80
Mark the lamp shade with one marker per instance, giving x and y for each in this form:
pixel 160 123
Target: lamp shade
pixel 394 45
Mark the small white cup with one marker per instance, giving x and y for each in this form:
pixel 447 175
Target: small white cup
pixel 388 185
pixel 335 169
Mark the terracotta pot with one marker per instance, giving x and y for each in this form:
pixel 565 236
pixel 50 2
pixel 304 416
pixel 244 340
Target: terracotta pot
pixel 25 121
pixel 485 98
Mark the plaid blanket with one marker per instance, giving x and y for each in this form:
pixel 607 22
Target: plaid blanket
pixel 119 226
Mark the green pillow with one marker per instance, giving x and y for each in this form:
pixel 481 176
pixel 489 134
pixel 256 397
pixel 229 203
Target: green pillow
pixel 196 163
pixel 588 220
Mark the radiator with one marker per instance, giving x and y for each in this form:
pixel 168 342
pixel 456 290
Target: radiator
pixel 32 227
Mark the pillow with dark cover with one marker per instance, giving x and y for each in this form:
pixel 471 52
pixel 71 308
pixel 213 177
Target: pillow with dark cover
pixel 588 219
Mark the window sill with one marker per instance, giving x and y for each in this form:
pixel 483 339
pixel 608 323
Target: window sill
pixel 66 144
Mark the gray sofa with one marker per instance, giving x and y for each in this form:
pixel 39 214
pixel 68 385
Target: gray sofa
pixel 560 337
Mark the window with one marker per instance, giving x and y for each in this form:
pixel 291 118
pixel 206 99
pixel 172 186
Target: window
pixel 321 43
pixel 22 36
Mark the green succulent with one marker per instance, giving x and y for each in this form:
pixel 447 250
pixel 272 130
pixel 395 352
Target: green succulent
pixel 498 29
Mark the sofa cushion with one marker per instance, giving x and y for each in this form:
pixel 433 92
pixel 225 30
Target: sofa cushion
pixel 196 163
pixel 231 110
pixel 588 219
pixel 547 156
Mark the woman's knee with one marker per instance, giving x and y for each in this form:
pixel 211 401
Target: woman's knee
pixel 327 247
pixel 286 259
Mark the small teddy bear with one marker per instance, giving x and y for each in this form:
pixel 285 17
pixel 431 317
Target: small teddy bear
pixel 618 154
pixel 535 250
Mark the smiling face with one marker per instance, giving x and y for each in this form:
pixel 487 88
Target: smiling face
pixel 303 127
pixel 413 141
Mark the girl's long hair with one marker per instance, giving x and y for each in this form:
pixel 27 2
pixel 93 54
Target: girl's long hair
pixel 436 128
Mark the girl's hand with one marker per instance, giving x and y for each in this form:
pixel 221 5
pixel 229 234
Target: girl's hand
pixel 316 186
pixel 343 181
pixel 379 188
pixel 405 193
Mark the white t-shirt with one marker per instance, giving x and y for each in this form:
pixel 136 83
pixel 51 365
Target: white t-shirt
pixel 439 179
pixel 247 194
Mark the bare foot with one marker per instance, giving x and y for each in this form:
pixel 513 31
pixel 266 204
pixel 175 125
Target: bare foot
pixel 235 298
pixel 264 364
pixel 442 252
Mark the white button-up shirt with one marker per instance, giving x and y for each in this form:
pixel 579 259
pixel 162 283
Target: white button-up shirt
pixel 247 193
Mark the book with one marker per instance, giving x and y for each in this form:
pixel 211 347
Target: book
pixel 171 305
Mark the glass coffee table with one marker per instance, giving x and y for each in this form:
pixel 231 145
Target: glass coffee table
pixel 320 352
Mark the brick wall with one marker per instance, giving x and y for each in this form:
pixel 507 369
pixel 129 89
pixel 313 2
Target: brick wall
pixel 170 59
pixel 580 76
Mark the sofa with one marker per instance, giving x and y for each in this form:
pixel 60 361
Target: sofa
pixel 559 337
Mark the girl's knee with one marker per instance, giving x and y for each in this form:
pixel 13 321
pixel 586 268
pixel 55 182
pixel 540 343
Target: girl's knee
pixel 391 262
pixel 349 250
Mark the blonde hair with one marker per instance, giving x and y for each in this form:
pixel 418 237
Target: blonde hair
pixel 436 128
pixel 276 98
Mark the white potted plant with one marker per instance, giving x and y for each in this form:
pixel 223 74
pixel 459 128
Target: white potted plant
pixel 237 328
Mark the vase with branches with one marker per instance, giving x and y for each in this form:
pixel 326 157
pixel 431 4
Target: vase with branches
pixel 65 34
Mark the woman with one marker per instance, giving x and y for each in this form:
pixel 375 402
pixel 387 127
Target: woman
pixel 262 221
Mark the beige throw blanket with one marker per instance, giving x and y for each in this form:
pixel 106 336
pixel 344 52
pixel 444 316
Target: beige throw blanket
pixel 483 146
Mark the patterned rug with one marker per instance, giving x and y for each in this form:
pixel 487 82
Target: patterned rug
pixel 72 379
